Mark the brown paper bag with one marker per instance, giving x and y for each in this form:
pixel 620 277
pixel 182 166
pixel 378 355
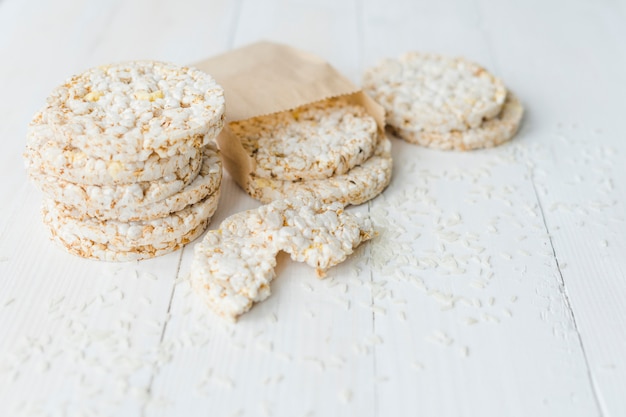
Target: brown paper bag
pixel 265 78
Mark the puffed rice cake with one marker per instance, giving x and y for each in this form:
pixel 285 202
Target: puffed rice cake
pixel 205 184
pixel 130 111
pixel 86 248
pixel 89 198
pixel 315 141
pixel 490 133
pixel 360 184
pixel 73 165
pixel 234 265
pixel 125 155
pixel 231 273
pixel 120 241
pixel 432 100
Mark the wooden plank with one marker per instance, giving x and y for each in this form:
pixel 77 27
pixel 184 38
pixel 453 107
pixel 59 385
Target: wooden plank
pixel 470 308
pixel 327 28
pixel 77 335
pixel 577 169
pixel 487 329
pixel 458 308
pixel 291 355
pixel 307 350
pixel 80 337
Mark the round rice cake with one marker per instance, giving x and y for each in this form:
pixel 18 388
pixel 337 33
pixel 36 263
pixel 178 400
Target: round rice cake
pixel 130 111
pixel 102 198
pixel 73 165
pixel 315 141
pixel 490 133
pixel 102 251
pixel 425 92
pixel 110 236
pixel 205 184
pixel 360 184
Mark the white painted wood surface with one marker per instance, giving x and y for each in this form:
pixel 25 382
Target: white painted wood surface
pixel 496 286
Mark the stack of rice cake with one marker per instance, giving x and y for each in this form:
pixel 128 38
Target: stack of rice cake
pixel 126 157
pixel 444 103
pixel 331 148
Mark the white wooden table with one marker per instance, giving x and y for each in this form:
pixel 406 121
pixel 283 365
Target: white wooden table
pixel 497 286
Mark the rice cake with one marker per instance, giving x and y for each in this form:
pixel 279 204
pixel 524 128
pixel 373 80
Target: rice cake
pixel 126 235
pixel 109 236
pixel 90 198
pixel 205 184
pixel 321 235
pixel 86 248
pixel 231 273
pixel 73 165
pixel 432 93
pixel 315 141
pixel 490 133
pixel 360 184
pixel 234 265
pixel 130 111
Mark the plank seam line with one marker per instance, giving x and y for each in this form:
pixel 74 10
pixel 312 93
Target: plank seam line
pixel 167 319
pixel 235 24
pixel 483 32
pixel 568 304
pixel 169 305
pixel 375 364
pixel 592 383
pixel 231 41
pixel 358 5
pixel 374 361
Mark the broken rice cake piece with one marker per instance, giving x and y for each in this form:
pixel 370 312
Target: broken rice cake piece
pixel 234 265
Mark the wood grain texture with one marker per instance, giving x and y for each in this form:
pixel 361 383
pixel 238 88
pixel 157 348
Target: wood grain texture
pixel 576 166
pixel 497 283
pixel 295 355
